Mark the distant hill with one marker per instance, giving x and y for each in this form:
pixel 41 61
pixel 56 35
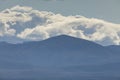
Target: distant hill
pixel 60 56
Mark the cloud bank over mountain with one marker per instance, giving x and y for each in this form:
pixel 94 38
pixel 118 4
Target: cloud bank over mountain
pixel 22 23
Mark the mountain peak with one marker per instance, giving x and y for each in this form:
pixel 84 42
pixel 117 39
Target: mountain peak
pixel 65 36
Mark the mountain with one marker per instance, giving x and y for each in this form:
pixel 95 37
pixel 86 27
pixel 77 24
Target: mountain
pixel 58 58
pixel 114 48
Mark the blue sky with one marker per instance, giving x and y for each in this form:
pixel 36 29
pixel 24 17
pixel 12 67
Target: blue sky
pixel 108 10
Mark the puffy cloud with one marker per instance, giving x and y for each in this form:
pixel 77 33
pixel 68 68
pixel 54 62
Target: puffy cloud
pixel 32 25
pixel 5 30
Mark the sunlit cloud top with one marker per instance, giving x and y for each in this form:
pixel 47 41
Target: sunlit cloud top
pixel 27 24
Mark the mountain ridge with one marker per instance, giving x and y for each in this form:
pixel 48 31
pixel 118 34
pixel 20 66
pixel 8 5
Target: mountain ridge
pixel 56 55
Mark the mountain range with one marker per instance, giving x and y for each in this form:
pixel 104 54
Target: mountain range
pixel 59 58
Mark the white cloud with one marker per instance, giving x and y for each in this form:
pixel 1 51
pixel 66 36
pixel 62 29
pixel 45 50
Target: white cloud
pixel 29 24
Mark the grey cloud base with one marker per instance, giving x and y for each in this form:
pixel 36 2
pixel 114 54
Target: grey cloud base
pixel 20 24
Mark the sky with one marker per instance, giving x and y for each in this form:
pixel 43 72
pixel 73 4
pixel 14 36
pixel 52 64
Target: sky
pixel 108 10
pixel 35 20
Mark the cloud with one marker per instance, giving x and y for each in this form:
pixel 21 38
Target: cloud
pixel 25 23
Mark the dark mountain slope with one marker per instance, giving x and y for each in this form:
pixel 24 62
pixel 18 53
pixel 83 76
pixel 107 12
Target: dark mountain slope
pixel 64 49
pixel 60 56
